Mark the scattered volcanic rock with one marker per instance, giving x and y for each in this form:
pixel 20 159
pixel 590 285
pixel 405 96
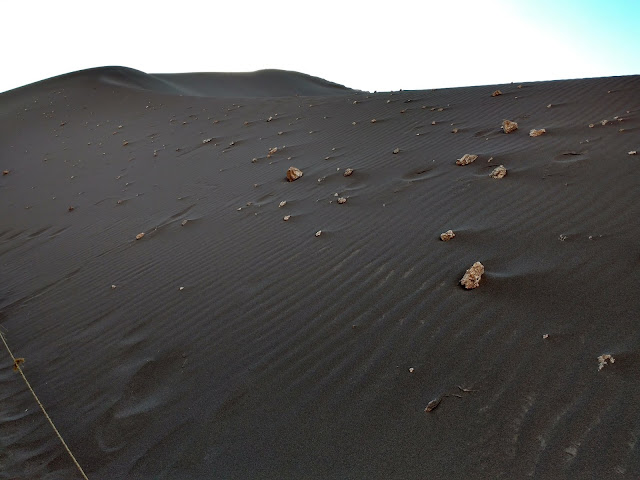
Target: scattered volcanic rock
pixel 466 159
pixel 446 236
pixel 603 359
pixel 537 133
pixel 498 172
pixel 293 174
pixel 472 276
pixel 508 126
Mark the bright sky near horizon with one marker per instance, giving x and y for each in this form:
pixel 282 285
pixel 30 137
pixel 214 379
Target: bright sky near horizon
pixel 406 45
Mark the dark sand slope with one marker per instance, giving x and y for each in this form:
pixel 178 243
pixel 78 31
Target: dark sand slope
pixel 288 355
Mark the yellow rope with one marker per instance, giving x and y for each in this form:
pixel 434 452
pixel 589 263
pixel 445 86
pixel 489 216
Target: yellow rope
pixel 16 366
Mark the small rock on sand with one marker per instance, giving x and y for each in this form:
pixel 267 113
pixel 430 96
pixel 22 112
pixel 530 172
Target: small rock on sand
pixel 603 359
pixel 286 218
pixel 342 200
pixel 397 150
pixel 537 133
pixel 472 276
pixel 496 93
pixel 432 405
pixel 498 172
pixel 6 172
pixel 466 159
pixel 348 172
pixel 446 236
pixel 632 152
pixel 282 204
pixel 508 126
pixel 318 233
pixel 139 236
pixel 293 174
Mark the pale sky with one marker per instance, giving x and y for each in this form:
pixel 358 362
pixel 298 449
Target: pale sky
pixel 370 46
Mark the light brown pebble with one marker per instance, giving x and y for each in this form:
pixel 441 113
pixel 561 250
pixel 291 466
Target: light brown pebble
pixel 411 369
pixel 455 130
pixel 293 174
pixel 273 150
pixel 498 172
pixel 604 122
pixel 318 233
pixel 207 140
pixel 286 218
pixel 496 93
pixel 184 222
pixel 508 126
pixel 397 150
pixel 591 125
pixel 633 152
pixel 373 120
pixel 139 236
pixel 348 172
pixel 466 159
pixel 446 236
pixel 125 143
pixel 545 336
pixel 113 287
pixel 181 288
pixel 71 209
pixel 536 133
pixel 5 172
pixel 342 200
pixel 433 123
pixel 603 359
pixel 472 276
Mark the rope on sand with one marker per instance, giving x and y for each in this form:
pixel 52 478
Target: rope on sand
pixel 16 367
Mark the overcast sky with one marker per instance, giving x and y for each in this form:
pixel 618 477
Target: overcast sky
pixel 364 45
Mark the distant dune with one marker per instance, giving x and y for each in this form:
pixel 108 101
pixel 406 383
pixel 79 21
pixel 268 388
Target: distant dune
pixel 186 312
pixel 263 83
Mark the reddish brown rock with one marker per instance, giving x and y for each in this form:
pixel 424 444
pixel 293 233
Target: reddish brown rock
pixel 508 126
pixel 293 174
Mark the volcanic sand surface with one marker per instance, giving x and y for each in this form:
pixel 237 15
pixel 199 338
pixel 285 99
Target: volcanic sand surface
pixel 227 343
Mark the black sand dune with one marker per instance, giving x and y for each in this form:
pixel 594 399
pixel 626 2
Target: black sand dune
pixel 228 343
